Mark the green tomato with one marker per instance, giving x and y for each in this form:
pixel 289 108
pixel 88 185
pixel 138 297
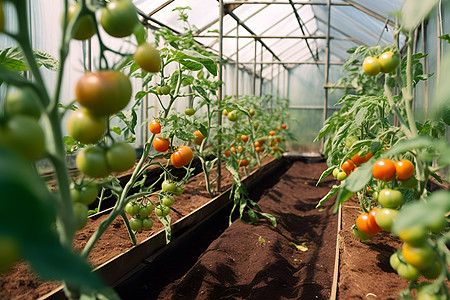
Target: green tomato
pixel 146 210
pixel 357 233
pixel 86 194
pixel 341 176
pixel 86 128
pixel 169 186
pixel 178 191
pixel 120 157
pixel 389 61
pixel 375 195
pixel 162 211
pixel 394 261
pixel 165 89
pixel 92 162
pixel 148 58
pixel 136 224
pixel 408 272
pixel 168 201
pixel 371 66
pixel 189 111
pixel 414 236
pixel 233 116
pixel 119 18
pixel 390 198
pixel 335 172
pixel 23 101
pixel 350 140
pixel 81 212
pixel 85 27
pixel 9 252
pixel 433 271
pixel 147 223
pixel 132 208
pixel 385 217
pixel 24 135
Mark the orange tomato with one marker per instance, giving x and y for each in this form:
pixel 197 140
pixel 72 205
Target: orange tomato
pixel 227 153
pixel 240 148
pixel 232 149
pixel 199 138
pixel 405 169
pixel 348 166
pixel 272 133
pixel 244 138
pixel 244 163
pixel 284 126
pixel 181 157
pixel 160 144
pixel 357 160
pixel 384 169
pixel 258 149
pixel 154 126
pixel 368 156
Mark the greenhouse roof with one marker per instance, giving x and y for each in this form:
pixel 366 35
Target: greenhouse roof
pixel 287 32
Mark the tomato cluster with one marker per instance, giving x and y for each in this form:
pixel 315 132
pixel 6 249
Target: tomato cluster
pixel 19 128
pixel 386 63
pixel 386 169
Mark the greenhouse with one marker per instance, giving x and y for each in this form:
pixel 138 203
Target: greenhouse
pixel 205 149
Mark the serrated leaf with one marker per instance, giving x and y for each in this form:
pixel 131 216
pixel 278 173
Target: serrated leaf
pixel 325 174
pixel 334 189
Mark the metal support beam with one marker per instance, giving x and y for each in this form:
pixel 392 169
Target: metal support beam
pixel 299 20
pixel 287 2
pixel 160 7
pixel 327 68
pixel 267 36
pixel 231 14
pixel 220 94
pixel 287 63
pixel 369 12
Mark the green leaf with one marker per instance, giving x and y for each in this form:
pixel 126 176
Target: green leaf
pixel 271 218
pixel 166 222
pixel 44 59
pixel 129 117
pixel 207 62
pixel 415 11
pixel 356 181
pixel 343 196
pixel 445 37
pixel 331 193
pixel 325 174
pixel 191 65
pixel 116 130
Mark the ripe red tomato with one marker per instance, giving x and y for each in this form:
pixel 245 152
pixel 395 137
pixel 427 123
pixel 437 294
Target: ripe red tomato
pixel 284 126
pixel 405 169
pixel 366 223
pixel 154 126
pixel 272 133
pixel 92 162
pixel 199 138
pixel 120 157
pixel 23 101
pixel 371 66
pixel 233 149
pixel 227 153
pixel 348 167
pixel 258 149
pixel 244 138
pixel 181 157
pixel 104 92
pixel 86 128
pixel 384 169
pixel 148 58
pixel 367 157
pixel 85 28
pixel 119 18
pixel 160 144
pixel 389 61
pixel 240 148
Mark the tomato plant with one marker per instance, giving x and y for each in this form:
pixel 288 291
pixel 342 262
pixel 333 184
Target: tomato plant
pixel 103 92
pixel 119 18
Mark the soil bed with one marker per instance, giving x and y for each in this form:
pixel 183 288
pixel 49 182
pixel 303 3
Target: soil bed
pixel 254 261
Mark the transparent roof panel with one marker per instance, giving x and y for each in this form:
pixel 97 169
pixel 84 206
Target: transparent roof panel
pixel 353 23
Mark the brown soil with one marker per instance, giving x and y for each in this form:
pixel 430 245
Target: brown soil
pixel 260 261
